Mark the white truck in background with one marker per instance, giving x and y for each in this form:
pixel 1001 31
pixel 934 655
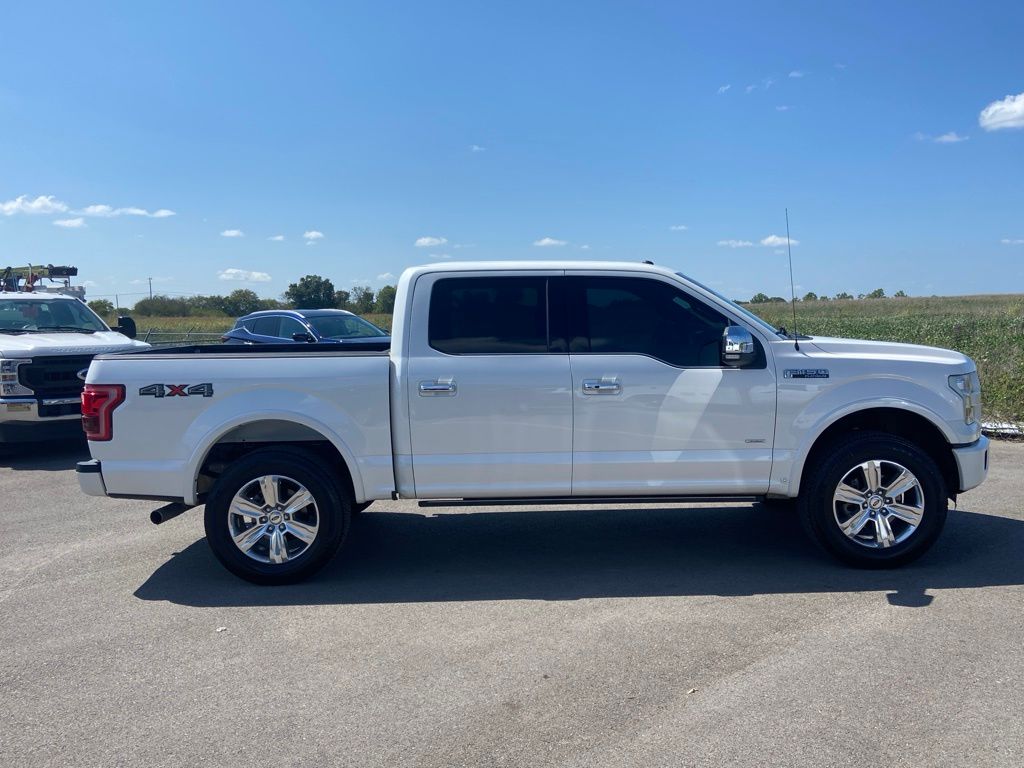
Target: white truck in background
pixel 540 382
pixel 47 341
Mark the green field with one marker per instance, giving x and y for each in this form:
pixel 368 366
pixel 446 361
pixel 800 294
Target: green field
pixel 988 328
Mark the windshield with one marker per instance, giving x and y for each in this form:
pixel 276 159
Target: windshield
pixel 746 313
pixel 344 327
pixel 47 316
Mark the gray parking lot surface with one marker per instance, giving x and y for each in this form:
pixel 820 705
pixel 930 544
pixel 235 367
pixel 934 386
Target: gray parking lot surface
pixel 572 636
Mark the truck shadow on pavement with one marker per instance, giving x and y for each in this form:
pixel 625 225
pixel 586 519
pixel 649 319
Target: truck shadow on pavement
pixel 571 555
pixel 56 456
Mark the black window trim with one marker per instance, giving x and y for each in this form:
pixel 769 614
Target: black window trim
pixel 562 321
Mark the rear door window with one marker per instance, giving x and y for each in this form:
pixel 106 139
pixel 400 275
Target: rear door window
pixel 290 326
pixel 489 315
pixel 266 326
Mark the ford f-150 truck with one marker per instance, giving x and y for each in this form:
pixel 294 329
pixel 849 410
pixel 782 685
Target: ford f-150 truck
pixel 47 341
pixel 540 382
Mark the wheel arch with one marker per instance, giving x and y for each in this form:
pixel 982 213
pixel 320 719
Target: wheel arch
pixel 244 435
pixel 908 424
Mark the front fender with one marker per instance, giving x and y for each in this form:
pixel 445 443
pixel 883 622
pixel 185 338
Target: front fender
pixel 804 416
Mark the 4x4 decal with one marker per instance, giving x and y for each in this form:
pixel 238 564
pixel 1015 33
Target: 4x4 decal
pixel 177 390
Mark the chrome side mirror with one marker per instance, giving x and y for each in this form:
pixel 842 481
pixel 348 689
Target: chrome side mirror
pixel 738 347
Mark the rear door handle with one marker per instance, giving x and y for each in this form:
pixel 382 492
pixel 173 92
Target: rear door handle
pixel 438 388
pixel 601 387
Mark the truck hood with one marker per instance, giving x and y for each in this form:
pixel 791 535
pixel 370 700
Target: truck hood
pixel 52 344
pixel 889 350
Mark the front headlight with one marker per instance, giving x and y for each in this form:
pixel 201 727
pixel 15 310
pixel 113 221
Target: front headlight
pixel 9 384
pixel 968 386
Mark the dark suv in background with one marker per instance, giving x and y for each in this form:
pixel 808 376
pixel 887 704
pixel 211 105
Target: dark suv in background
pixel 306 326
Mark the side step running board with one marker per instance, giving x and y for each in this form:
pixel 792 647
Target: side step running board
pixel 550 500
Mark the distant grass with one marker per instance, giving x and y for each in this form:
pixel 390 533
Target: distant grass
pixel 990 329
pixel 183 324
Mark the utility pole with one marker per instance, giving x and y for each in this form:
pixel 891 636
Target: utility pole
pixel 150 287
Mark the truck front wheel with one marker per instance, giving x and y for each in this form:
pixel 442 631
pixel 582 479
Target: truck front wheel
pixel 874 501
pixel 276 517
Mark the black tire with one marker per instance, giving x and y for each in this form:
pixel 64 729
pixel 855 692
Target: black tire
pixel 817 509
pixel 360 508
pixel 333 508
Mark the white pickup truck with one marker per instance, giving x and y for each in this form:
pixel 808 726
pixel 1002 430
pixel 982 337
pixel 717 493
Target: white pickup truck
pixel 47 341
pixel 540 382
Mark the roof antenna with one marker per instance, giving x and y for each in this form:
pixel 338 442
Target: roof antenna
pixel 792 288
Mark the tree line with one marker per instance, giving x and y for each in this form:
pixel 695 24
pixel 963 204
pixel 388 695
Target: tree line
pixel 310 292
pixel 878 293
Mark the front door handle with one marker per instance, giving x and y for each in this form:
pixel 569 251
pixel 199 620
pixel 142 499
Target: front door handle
pixel 601 387
pixel 438 388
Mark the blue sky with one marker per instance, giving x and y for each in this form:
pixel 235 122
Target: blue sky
pixel 662 131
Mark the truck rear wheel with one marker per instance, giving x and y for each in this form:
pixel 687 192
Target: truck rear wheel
pixel 276 517
pixel 874 501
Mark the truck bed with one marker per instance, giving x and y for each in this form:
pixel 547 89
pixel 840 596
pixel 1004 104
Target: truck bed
pixel 181 402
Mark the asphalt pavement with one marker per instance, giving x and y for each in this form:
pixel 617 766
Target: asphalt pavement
pixel 566 636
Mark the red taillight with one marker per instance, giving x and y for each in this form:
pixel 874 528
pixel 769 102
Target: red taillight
pixel 98 404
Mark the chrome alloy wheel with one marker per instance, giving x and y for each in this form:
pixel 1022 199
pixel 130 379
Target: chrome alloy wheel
pixel 878 504
pixel 273 519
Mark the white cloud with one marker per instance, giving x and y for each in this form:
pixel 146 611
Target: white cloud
pixel 464 245
pixel 840 66
pixel 796 73
pixel 548 242
pixel 76 223
pixel 585 247
pixel 243 276
pixel 386 276
pixel 947 138
pixel 430 242
pixel 232 233
pixel 42 204
pixel 313 235
pixel 750 88
pixel 1008 113
pixel 735 243
pixel 440 255
pixel 109 212
pixel 276 238
pixel 774 241
pixel 477 148
pixel 724 88
pixel 768 82
pixel 782 108
pixel 678 228
pixel 1012 241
